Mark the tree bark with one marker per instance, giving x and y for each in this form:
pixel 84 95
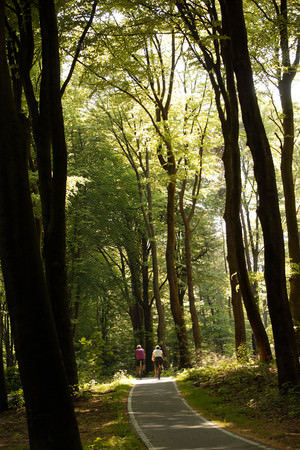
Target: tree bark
pixel 224 88
pixel 284 336
pixel 168 163
pixel 285 89
pixel 177 312
pixel 189 272
pixel 55 229
pixel 50 414
pixel 136 304
pixel 232 165
pixel 147 307
pixel 48 132
pixel 3 393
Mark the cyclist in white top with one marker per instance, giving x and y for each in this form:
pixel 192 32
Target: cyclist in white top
pixel 157 358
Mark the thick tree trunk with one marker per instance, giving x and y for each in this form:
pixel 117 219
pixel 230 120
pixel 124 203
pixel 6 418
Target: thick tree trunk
pixel 55 238
pixel 48 131
pixel 50 414
pixel 284 336
pixel 235 244
pixel 285 88
pixel 232 166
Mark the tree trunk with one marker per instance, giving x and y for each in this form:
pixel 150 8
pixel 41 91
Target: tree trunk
pixel 189 275
pixel 239 318
pixel 8 343
pixel 284 336
pixel 50 414
pixel 287 150
pixel 48 131
pixel 149 222
pixel 224 87
pixel 3 393
pixel 191 295
pixel 177 312
pixel 136 305
pixel 55 233
pixel 147 307
pixel 232 166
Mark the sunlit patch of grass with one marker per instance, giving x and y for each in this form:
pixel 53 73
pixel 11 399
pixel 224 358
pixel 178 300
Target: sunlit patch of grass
pixel 116 442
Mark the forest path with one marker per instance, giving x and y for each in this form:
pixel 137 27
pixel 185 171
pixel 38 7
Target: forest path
pixel 164 421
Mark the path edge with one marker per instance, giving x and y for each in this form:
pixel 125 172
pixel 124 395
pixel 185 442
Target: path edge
pixel 230 433
pixel 137 429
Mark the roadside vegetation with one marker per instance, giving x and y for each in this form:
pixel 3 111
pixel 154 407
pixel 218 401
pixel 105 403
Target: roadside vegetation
pixel 240 397
pixel 244 398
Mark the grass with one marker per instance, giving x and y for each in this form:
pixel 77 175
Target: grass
pixel 245 399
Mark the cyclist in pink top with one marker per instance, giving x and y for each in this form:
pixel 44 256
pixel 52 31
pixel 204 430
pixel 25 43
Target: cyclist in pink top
pixel 140 357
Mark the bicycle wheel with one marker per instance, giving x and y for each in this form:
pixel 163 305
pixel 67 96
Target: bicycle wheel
pixel 158 372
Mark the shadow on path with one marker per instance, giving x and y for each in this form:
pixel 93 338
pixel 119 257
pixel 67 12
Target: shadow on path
pixel 164 421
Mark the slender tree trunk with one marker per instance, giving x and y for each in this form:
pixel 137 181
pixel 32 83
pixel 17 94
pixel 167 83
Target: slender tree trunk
pixel 8 343
pixel 147 307
pixel 3 393
pixel 149 222
pixel 50 414
pixel 136 307
pixel 284 336
pixel 239 318
pixel 177 312
pixel 189 276
pixel 249 268
pixel 191 295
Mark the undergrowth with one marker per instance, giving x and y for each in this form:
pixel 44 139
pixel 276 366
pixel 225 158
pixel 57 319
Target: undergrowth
pixel 245 398
pixel 252 385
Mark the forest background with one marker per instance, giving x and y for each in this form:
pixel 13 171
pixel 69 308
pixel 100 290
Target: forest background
pixel 149 162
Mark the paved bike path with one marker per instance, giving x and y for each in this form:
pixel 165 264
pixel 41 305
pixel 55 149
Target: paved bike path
pixel 164 421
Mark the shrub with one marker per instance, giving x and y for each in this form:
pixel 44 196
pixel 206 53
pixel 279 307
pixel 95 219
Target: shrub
pixel 12 379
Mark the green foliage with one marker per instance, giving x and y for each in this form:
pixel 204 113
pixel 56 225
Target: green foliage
pixel 250 387
pixel 95 357
pixel 12 379
pixel 16 399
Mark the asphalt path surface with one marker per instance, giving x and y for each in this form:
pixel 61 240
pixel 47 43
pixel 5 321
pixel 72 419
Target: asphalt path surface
pixel 164 421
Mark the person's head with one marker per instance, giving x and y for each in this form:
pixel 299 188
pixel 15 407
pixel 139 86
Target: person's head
pixel 157 347
pixel 139 346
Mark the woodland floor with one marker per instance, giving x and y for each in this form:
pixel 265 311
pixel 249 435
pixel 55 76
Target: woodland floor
pixel 96 417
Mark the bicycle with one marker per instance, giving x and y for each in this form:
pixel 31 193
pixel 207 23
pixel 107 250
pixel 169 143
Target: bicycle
pixel 159 369
pixel 140 369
